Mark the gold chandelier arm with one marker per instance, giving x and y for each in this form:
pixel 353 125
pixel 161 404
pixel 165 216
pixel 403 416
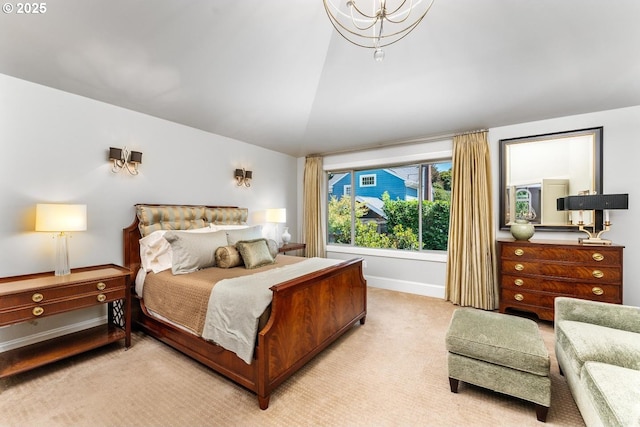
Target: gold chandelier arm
pixel 352 5
pixel 388 15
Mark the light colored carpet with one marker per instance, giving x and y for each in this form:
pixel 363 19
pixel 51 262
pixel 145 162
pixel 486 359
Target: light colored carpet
pixel 390 372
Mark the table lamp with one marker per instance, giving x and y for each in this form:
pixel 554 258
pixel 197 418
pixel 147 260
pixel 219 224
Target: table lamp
pixel 596 202
pixel 279 216
pixel 60 219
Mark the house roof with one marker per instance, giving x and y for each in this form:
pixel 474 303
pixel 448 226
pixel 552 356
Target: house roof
pixel 276 74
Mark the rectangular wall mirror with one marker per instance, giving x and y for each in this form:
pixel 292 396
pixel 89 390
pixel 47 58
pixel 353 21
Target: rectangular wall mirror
pixel 537 170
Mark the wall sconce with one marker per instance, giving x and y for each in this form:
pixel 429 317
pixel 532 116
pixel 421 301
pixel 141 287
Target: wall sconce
pixel 596 202
pixel 125 159
pixel 61 218
pixel 243 177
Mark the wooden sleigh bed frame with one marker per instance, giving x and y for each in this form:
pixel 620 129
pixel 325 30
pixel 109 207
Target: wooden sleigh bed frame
pixel 307 314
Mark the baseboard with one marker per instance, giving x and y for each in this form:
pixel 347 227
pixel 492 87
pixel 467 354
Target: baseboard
pixel 418 288
pixel 51 333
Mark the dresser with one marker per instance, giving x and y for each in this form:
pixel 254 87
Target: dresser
pixel 34 296
pixel 533 273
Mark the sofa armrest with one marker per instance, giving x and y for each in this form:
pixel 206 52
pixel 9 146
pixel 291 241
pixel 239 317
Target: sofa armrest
pixel 624 317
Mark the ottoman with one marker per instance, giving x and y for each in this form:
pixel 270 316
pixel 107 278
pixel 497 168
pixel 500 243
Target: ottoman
pixel 499 352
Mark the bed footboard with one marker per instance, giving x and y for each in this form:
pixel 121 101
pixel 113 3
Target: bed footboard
pixel 308 314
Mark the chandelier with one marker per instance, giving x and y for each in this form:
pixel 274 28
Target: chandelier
pixel 374 24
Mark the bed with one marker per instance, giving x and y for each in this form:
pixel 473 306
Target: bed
pixel 306 313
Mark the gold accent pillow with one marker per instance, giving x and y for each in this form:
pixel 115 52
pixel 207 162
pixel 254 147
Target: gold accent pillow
pixel 255 253
pixel 227 257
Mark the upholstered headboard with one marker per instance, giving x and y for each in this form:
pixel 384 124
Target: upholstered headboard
pixel 173 217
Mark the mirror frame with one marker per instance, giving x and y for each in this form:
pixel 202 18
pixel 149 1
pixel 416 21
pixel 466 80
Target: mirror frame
pixel 597 170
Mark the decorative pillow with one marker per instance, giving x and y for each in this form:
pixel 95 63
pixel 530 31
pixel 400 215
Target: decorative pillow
pixel 255 253
pixel 273 247
pixel 193 251
pixel 155 250
pixel 227 257
pixel 251 233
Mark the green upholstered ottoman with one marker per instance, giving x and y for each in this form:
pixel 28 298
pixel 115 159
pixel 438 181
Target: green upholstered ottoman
pixel 500 352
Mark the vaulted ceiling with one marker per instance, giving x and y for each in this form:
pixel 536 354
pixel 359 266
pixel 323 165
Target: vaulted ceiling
pixel 276 74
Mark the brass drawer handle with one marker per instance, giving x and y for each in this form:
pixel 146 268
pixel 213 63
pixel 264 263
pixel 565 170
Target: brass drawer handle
pixel 518 297
pixel 37 297
pixel 597 274
pixel 37 311
pixel 101 298
pixel 597 256
pixel 518 282
pixel 101 286
pixel 519 267
pixel 519 252
pixel 597 291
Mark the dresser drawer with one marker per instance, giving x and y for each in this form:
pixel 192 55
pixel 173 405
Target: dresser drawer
pixel 34 311
pixel 597 292
pixel 602 274
pixel 582 255
pixel 46 295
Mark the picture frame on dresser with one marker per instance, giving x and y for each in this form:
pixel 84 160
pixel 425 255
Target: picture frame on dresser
pixel 533 273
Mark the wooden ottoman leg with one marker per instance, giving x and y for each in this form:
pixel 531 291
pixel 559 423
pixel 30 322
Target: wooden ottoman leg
pixel 541 412
pixel 453 383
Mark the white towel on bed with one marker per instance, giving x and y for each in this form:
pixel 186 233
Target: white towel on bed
pixel 235 305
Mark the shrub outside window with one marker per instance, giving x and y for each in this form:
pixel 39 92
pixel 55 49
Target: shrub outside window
pixel 402 207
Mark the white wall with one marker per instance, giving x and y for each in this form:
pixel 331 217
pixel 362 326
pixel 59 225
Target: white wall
pixel 621 138
pixel 55 148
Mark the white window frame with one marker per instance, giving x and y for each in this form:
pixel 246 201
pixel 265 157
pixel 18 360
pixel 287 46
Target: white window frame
pixel 346 190
pixel 369 175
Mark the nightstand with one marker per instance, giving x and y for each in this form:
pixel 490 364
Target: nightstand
pixel 291 246
pixel 29 297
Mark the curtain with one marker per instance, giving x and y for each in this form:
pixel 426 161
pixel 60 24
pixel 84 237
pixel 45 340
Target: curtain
pixel 471 264
pixel 313 226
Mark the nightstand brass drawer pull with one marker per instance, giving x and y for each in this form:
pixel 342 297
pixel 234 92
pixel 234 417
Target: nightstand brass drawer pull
pixel 518 297
pixel 597 274
pixel 597 256
pixel 597 291
pixel 101 286
pixel 518 282
pixel 101 298
pixel 37 297
pixel 37 311
pixel 519 252
pixel 519 267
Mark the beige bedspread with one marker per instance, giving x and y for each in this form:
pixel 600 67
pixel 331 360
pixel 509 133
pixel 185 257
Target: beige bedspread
pixel 183 298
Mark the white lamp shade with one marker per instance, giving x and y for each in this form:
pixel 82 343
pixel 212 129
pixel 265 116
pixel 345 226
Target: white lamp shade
pixel 277 215
pixel 61 217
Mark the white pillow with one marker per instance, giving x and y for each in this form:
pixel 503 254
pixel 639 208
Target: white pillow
pixel 155 250
pixel 218 227
pixel 250 233
pixel 194 251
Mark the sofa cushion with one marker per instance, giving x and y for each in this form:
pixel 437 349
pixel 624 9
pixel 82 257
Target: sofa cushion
pixel 614 391
pixel 612 346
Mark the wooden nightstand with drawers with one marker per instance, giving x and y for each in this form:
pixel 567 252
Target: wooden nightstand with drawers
pixel 533 273
pixel 29 297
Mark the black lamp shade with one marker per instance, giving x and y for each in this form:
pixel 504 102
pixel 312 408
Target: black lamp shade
pixel 115 153
pixel 248 174
pixel 136 157
pixel 593 202
pixel 239 173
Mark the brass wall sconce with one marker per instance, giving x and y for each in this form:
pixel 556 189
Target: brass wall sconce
pixel 243 177
pixel 125 159
pixel 600 203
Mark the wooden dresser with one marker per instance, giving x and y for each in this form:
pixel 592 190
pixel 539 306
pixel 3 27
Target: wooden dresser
pixel 533 273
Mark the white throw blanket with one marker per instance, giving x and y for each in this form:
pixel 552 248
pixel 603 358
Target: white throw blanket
pixel 235 305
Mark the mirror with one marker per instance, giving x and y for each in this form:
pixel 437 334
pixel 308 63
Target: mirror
pixel 536 170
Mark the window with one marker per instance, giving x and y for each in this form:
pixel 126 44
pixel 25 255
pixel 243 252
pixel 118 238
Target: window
pixel 402 207
pixel 347 190
pixel 367 180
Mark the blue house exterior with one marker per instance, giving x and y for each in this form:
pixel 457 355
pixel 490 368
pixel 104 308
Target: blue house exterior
pixel 400 183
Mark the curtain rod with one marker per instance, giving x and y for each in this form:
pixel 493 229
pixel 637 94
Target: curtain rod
pixel 396 143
